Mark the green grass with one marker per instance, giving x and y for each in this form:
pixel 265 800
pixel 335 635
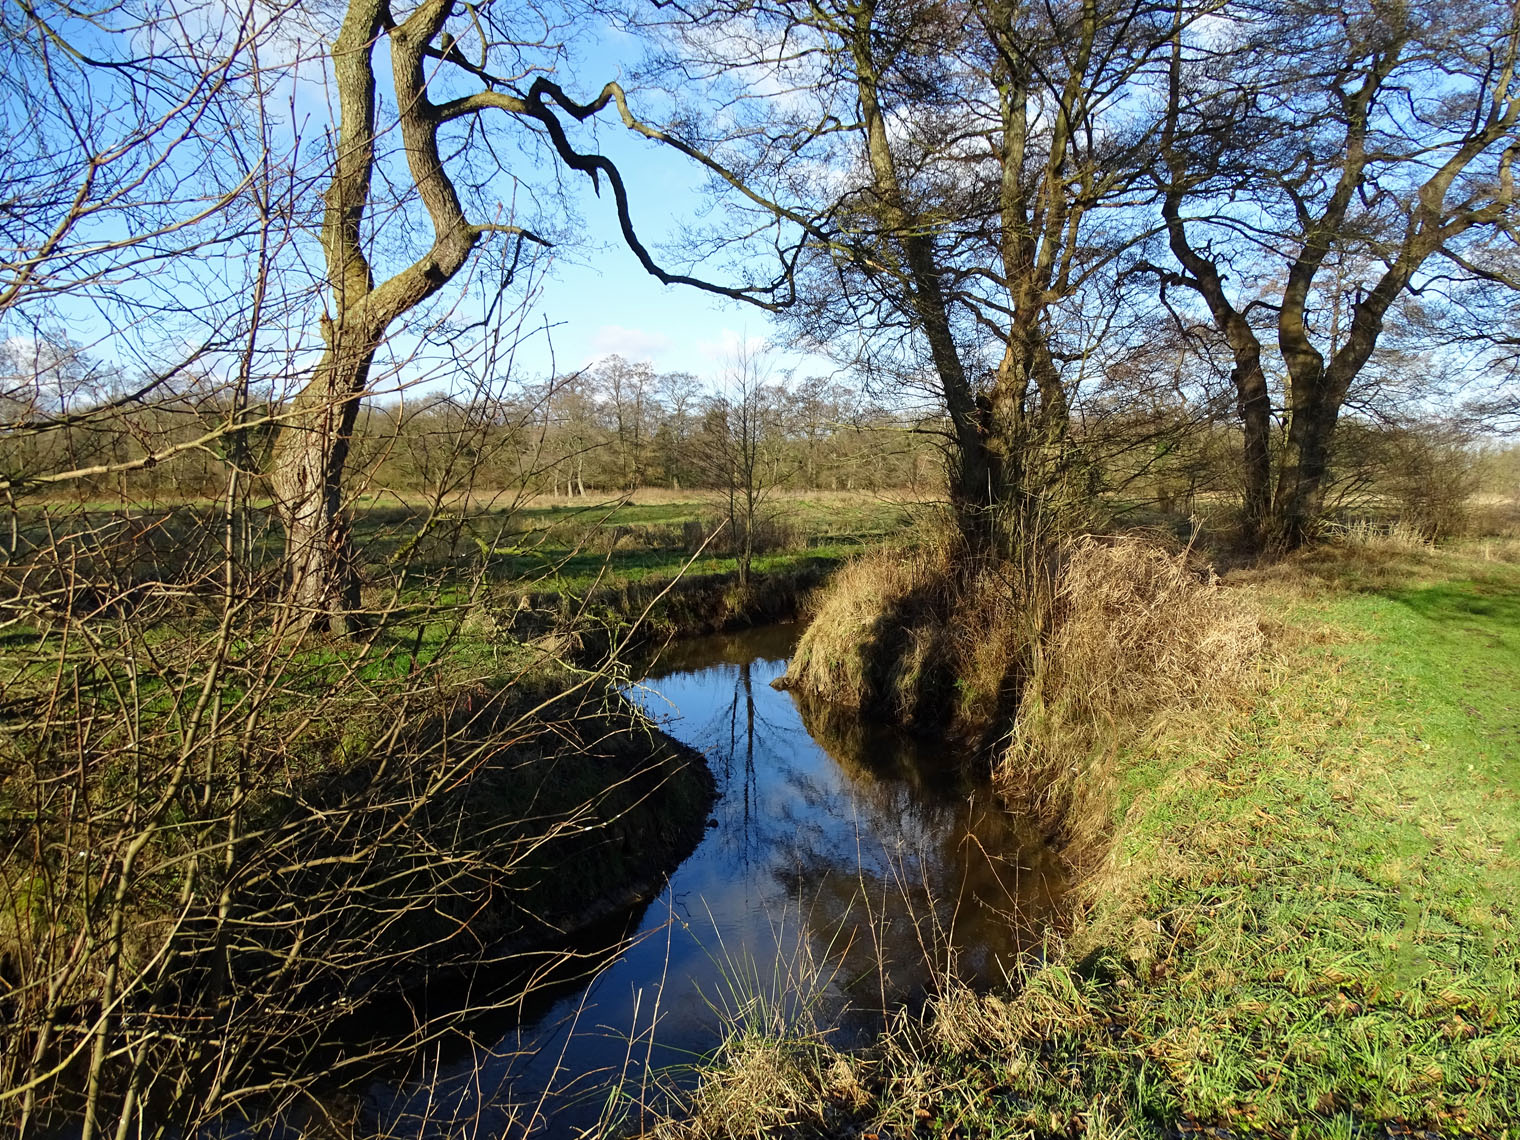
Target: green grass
pixel 429 576
pixel 1335 883
pixel 1308 926
pixel 559 546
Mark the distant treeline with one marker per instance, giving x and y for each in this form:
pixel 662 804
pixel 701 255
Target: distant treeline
pixel 621 425
pixel 616 426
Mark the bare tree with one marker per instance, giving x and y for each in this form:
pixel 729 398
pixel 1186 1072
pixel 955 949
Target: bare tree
pixel 742 438
pixel 679 395
pixel 1316 158
pixel 970 231
pixel 628 389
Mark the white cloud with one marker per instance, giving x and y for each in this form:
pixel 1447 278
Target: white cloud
pixel 631 344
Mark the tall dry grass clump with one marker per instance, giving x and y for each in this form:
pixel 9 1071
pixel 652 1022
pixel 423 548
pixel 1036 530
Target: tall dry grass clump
pixel 1062 658
pixel 924 635
pixel 1136 634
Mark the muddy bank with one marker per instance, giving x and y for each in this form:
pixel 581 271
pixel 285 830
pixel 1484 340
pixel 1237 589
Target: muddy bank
pixel 506 822
pixel 420 834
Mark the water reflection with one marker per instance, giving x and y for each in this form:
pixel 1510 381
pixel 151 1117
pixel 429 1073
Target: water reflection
pixel 845 869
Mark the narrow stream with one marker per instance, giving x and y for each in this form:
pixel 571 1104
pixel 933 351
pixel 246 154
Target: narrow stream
pixel 844 870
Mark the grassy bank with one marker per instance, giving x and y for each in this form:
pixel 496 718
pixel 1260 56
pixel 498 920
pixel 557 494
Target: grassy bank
pixel 1306 925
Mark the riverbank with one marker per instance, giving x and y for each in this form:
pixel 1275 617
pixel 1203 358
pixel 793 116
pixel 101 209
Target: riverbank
pixel 632 619
pixel 1306 921
pixel 364 825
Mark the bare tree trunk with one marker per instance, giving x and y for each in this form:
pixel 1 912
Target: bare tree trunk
pixel 313 445
pixel 1202 275
pixel 1301 482
pixel 1255 406
pixel 972 491
pixel 307 474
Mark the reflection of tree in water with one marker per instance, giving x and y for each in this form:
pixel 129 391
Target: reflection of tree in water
pixel 869 753
pixel 939 878
pixel 895 854
pixel 849 860
pixel 728 711
pixel 746 688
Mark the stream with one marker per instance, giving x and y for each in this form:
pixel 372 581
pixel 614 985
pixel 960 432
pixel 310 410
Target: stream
pixel 845 868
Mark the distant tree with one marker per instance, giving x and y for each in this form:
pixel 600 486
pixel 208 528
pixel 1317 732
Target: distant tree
pixel 571 431
pixel 818 409
pixel 742 437
pixel 680 395
pixel 628 390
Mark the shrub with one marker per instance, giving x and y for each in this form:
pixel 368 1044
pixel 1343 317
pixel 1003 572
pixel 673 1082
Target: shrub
pixel 719 536
pixel 1433 475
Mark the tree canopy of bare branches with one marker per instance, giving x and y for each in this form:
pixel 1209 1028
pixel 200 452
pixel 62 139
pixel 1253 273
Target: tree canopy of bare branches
pixel 1316 160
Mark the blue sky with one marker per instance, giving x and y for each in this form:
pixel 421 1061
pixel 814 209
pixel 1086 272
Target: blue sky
pixel 598 298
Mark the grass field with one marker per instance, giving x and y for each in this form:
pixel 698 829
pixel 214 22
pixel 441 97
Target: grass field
pixel 1308 923
pixel 453 585
pixel 540 543
pixel 569 544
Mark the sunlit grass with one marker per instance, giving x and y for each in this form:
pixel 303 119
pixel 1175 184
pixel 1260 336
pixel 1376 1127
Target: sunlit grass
pixel 1307 926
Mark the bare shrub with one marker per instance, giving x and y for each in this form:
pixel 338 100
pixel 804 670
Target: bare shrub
pixel 223 845
pixel 761 534
pixel 1433 474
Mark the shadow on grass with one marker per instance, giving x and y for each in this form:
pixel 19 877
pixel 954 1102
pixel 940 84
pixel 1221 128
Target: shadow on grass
pixel 1490 603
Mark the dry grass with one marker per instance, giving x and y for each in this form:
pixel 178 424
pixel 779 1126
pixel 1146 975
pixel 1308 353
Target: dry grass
pixel 1398 537
pixel 923 635
pixel 759 1085
pixel 1137 634
pixel 1141 629
pixel 838 658
pixel 1071 657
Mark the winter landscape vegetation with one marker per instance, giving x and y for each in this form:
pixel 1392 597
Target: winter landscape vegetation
pixel 745 568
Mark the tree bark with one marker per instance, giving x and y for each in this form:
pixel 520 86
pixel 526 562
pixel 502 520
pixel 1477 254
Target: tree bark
pixel 973 483
pixel 312 449
pixel 322 579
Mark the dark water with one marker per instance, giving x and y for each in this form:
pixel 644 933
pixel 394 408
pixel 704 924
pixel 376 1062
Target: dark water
pixel 845 869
